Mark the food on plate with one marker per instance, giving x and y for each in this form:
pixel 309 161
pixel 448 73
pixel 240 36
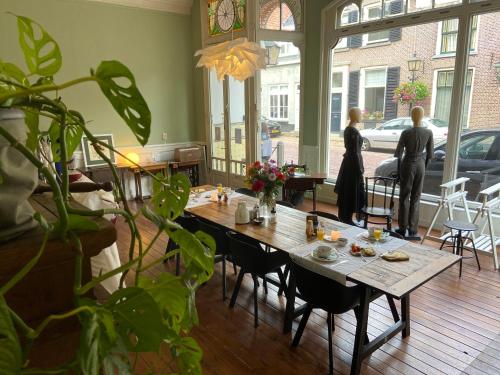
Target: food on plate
pixel 357 250
pixel 368 251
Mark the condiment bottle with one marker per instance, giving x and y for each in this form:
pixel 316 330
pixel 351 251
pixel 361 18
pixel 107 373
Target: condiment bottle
pixel 309 229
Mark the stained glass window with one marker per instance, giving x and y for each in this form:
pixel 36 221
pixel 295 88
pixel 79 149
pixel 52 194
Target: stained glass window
pixel 225 16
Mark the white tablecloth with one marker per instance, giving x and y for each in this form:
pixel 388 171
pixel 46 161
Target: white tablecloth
pixel 202 198
pixel 346 263
pixel 108 259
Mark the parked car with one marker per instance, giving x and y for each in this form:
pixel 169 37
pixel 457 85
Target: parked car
pixel 387 135
pixel 478 159
pixel 273 127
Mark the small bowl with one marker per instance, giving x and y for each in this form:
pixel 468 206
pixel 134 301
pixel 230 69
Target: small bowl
pixel 258 220
pixel 342 241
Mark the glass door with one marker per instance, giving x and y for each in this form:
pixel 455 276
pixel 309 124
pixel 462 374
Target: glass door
pixel 228 130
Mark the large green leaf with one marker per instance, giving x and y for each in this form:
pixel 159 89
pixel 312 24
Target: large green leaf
pixel 10 348
pixel 171 295
pixel 170 195
pixel 41 52
pixel 188 354
pixel 32 121
pixel 10 72
pixel 118 85
pixel 136 313
pixel 73 134
pixel 100 345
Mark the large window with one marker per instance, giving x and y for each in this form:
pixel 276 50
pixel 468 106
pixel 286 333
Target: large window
pixel 442 98
pixel 373 12
pixel 278 107
pixel 374 92
pixel 447 41
pixel 280 103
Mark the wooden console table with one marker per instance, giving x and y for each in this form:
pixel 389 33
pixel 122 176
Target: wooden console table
pixel 152 168
pixel 191 167
pixel 48 287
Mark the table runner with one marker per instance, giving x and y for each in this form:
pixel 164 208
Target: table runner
pixel 197 199
pixel 346 263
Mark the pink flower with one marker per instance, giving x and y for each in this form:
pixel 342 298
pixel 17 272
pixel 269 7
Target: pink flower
pixel 272 177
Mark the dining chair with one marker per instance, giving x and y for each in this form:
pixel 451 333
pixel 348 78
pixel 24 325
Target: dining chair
pixel 252 259
pixel 383 188
pixel 221 251
pixel 320 292
pixel 326 215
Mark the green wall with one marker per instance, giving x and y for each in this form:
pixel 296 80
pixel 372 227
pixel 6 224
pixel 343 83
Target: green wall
pixel 312 73
pixel 156 46
pixel 199 103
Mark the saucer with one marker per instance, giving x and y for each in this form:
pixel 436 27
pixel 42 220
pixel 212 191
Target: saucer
pixel 330 258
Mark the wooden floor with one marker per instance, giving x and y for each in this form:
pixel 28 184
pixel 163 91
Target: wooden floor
pixel 455 327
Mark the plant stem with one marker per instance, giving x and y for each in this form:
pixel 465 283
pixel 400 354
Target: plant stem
pixel 161 259
pixel 20 323
pixel 52 317
pixel 64 157
pixel 139 264
pixel 44 88
pixel 77 281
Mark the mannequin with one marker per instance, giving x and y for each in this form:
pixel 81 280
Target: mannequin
pixel 350 185
pixel 418 147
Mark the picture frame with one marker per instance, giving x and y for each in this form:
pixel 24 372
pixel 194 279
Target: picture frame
pixel 90 157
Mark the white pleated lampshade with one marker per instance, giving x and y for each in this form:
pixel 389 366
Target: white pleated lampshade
pixel 238 58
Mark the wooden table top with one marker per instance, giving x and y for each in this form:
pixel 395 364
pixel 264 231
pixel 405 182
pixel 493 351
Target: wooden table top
pixel 148 167
pixel 312 176
pixel 394 278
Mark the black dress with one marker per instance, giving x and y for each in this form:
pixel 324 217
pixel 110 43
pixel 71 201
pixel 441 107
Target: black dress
pixel 350 186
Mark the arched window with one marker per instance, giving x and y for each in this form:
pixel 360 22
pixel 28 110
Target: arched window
pixel 281 15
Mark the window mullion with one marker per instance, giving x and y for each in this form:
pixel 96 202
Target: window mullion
pixel 457 97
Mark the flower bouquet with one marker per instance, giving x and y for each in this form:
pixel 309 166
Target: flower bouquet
pixel 265 180
pixel 411 93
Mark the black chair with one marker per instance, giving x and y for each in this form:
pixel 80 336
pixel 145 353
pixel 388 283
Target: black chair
pixel 326 215
pixel 245 191
pixel 221 251
pixel 252 259
pixel 285 203
pixel 320 292
pixel 384 187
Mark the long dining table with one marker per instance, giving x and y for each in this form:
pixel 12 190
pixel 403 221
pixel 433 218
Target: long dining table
pixel 376 276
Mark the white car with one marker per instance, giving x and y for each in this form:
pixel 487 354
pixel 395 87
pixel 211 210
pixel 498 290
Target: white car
pixel 387 135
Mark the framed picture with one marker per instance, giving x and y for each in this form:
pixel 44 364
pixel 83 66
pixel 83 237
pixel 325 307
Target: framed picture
pixel 91 157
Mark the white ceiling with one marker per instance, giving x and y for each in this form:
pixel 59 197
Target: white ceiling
pixel 174 6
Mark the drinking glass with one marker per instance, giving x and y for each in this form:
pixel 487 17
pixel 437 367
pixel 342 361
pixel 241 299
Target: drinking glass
pixel 377 234
pixel 320 232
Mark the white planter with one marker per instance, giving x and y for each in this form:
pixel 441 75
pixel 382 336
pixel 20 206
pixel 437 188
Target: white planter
pixel 19 179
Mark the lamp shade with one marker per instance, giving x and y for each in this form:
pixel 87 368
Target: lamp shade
pixel 414 64
pixel 238 58
pixel 133 158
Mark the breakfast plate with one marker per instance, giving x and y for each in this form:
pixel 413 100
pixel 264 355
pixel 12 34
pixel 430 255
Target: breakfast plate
pixel 367 237
pixel 331 257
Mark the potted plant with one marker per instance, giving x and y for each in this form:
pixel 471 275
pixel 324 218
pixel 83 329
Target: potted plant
pixel 411 93
pixel 149 312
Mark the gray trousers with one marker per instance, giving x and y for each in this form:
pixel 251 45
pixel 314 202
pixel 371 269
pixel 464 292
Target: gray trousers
pixel 412 180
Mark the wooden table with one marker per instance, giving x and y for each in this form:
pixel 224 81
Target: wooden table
pixel 396 280
pixel 191 167
pixel 152 168
pixel 303 183
pixel 48 287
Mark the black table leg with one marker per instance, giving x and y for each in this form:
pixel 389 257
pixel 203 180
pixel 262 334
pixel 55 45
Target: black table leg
pixel 361 328
pixel 405 315
pixel 290 302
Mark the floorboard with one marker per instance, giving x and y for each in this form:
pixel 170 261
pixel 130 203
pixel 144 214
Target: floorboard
pixel 455 325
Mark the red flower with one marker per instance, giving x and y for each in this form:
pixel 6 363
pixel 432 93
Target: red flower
pixel 258 186
pixel 257 165
pixel 281 176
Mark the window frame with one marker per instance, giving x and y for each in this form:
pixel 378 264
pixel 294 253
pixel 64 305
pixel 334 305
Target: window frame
pixel 366 36
pixel 439 40
pixel 363 87
pixel 282 91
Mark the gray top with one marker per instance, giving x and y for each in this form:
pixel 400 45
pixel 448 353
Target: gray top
pixel 416 143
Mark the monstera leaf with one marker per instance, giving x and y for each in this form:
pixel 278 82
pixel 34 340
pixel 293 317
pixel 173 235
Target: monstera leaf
pixel 170 195
pixel 188 354
pixel 118 85
pixel 32 121
pixel 41 52
pixel 136 313
pixel 73 134
pixel 10 350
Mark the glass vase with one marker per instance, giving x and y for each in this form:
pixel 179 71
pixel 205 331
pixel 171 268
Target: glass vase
pixel 267 203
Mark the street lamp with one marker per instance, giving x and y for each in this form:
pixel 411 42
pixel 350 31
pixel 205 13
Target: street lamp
pixel 273 52
pixel 414 65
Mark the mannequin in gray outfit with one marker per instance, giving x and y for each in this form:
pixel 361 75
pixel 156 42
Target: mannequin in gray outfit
pixel 418 146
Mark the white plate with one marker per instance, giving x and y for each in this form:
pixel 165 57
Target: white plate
pixel 332 258
pixel 366 236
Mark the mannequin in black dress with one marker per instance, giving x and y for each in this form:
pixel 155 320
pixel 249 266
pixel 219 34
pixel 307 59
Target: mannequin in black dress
pixel 350 186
